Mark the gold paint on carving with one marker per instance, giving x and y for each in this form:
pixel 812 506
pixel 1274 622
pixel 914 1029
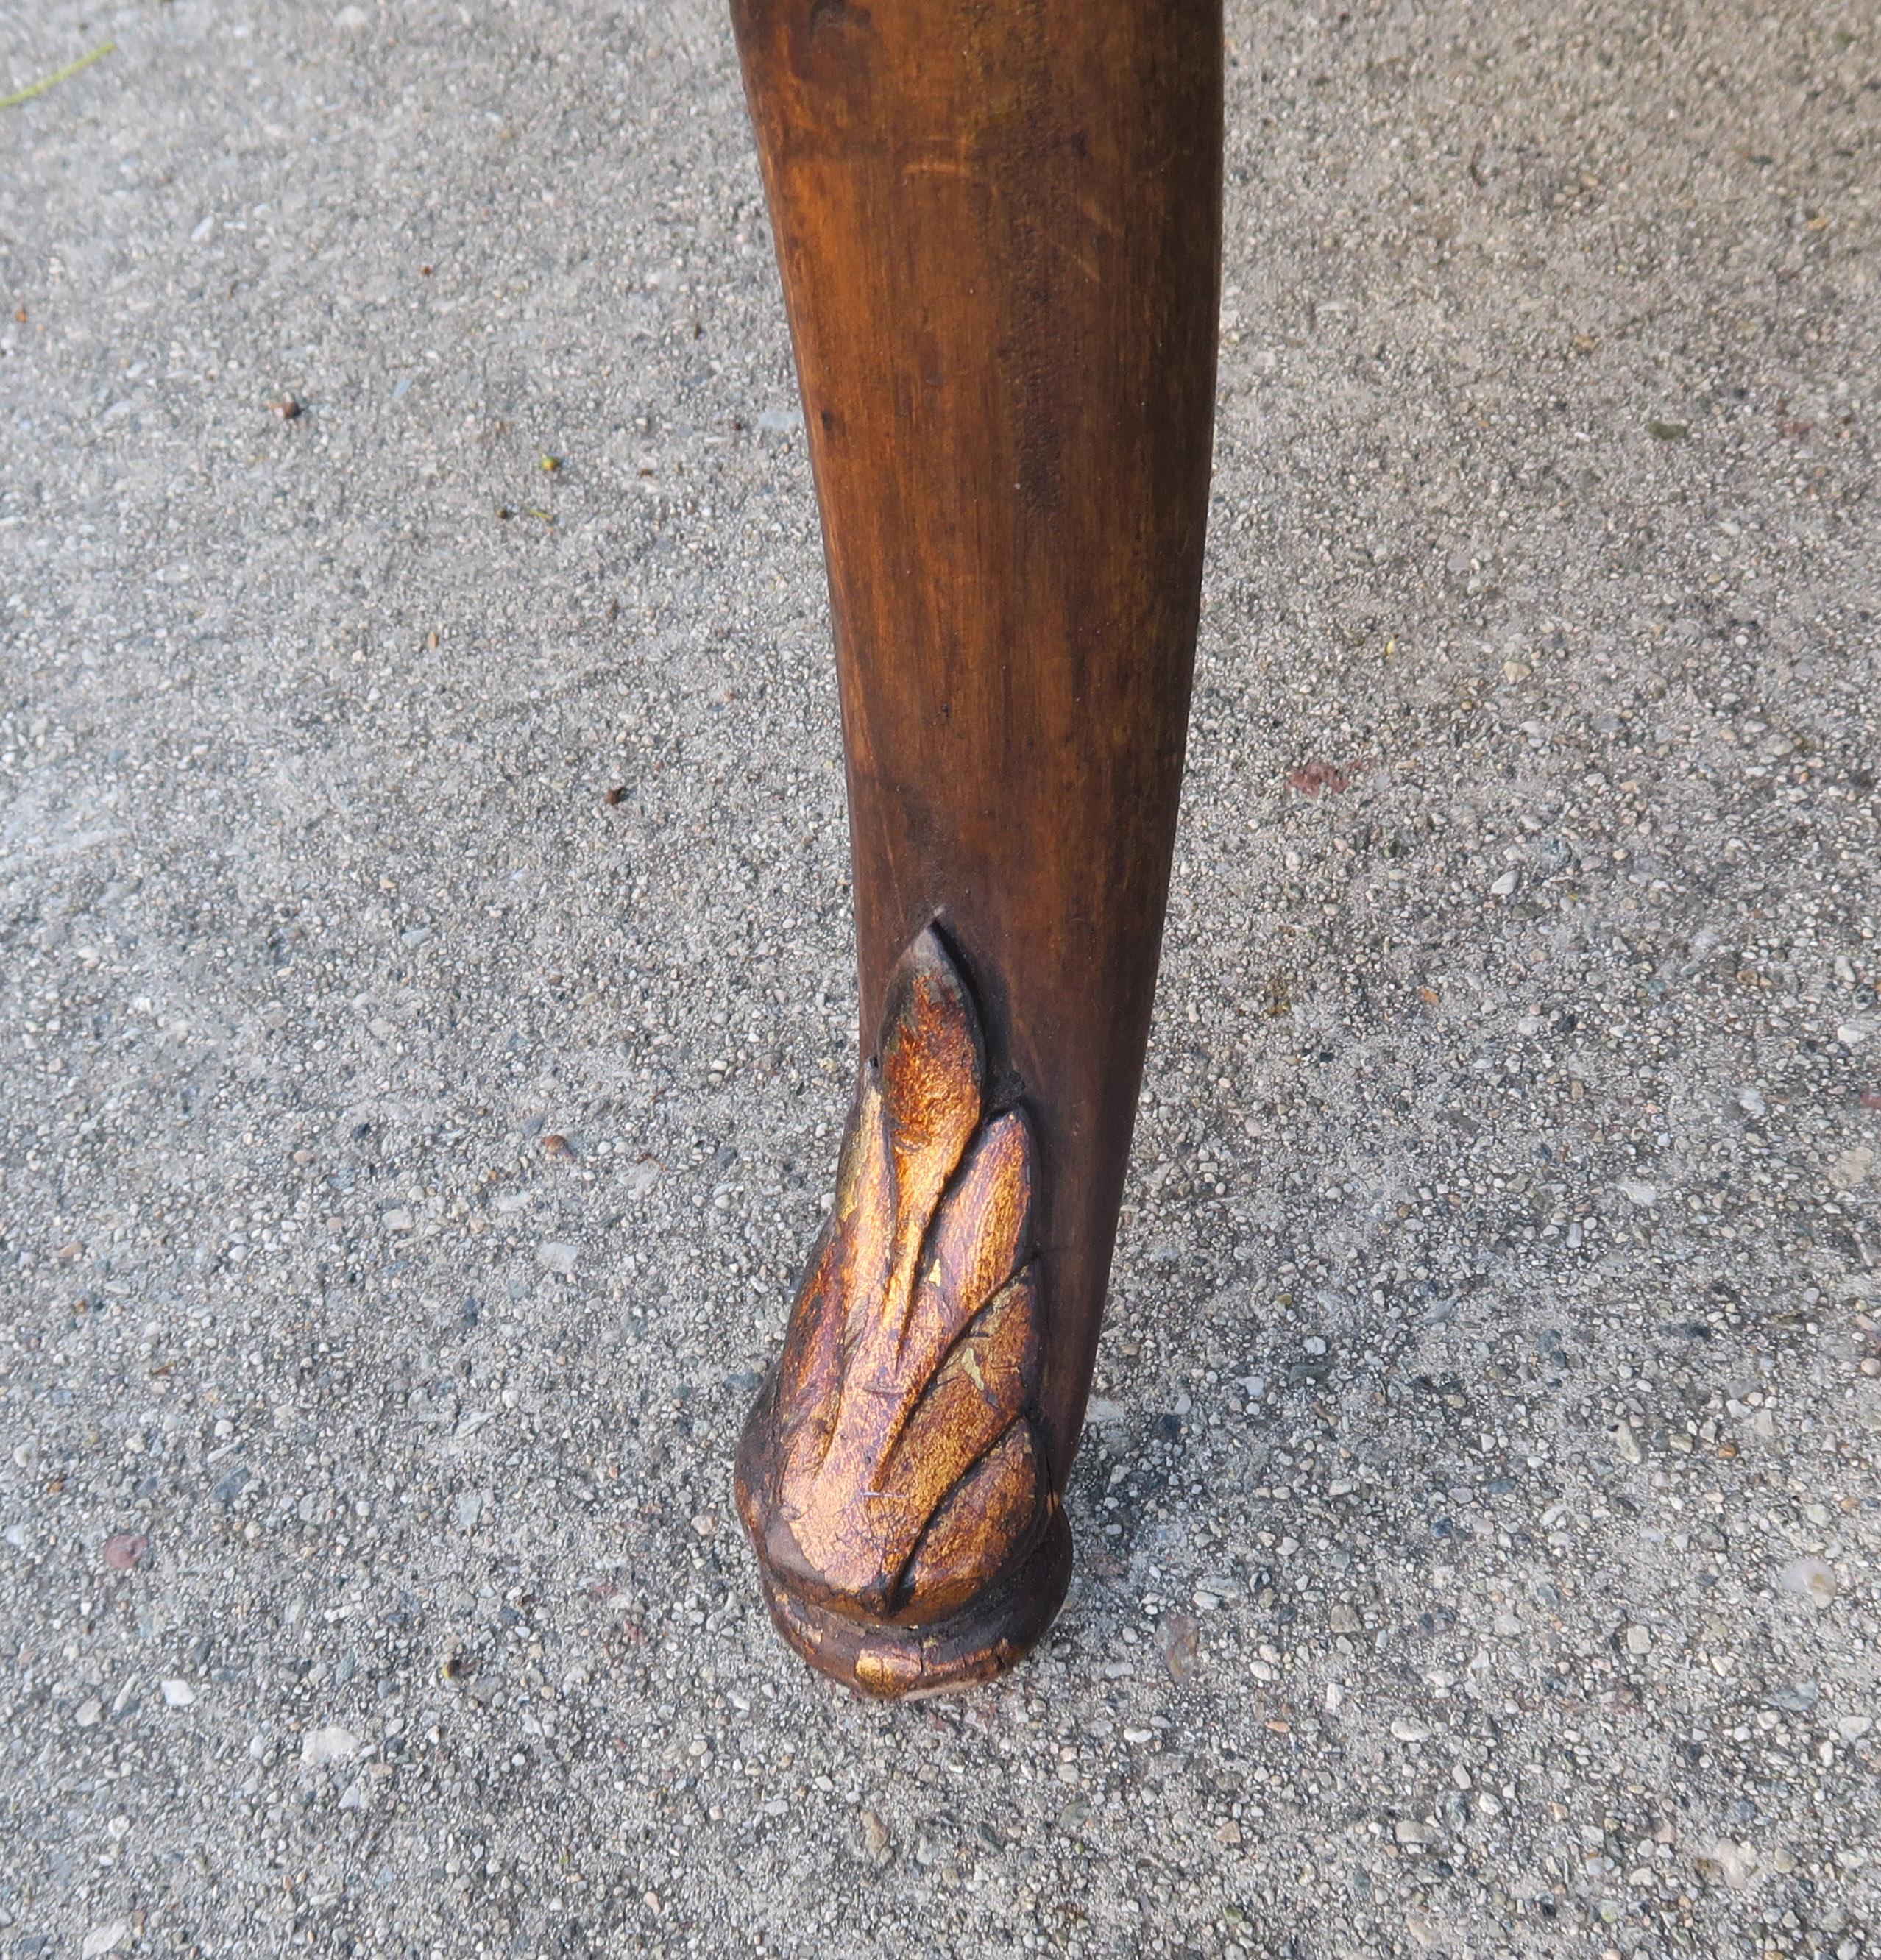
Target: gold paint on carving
pixel 893 1471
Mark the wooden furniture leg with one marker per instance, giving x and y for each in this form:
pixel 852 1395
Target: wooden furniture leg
pixel 999 227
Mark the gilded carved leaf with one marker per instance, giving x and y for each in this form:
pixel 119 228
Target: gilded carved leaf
pixel 899 1471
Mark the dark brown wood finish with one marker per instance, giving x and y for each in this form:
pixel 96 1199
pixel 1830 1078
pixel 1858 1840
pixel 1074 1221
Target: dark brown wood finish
pixel 999 230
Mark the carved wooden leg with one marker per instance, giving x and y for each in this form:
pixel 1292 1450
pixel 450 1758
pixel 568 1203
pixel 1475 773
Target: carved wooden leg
pixel 999 228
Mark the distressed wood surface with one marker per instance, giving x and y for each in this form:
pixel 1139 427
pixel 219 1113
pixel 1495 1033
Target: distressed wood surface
pixel 893 1472
pixel 999 233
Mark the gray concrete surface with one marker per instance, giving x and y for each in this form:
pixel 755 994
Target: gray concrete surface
pixel 1478 1528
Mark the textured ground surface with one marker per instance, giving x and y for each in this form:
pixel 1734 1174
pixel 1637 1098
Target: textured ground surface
pixel 425 1006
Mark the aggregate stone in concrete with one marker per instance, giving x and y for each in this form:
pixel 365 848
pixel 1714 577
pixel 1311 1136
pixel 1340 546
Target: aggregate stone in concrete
pixel 426 1014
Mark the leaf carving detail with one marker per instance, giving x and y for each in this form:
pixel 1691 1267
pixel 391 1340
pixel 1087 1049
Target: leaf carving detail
pixel 901 1470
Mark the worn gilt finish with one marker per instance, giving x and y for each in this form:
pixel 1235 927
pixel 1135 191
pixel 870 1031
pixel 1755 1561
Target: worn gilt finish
pixel 893 1476
pixel 999 230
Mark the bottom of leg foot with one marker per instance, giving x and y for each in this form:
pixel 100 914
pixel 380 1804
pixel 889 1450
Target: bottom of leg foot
pixel 988 1635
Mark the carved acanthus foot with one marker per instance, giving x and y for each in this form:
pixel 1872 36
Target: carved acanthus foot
pixel 892 1473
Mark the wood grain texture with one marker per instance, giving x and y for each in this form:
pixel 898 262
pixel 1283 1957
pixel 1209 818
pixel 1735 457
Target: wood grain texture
pixel 999 232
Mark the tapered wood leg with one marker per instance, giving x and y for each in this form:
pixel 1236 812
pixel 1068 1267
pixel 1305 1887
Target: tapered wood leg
pixel 999 230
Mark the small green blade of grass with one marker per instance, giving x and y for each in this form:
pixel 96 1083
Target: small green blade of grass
pixel 65 74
